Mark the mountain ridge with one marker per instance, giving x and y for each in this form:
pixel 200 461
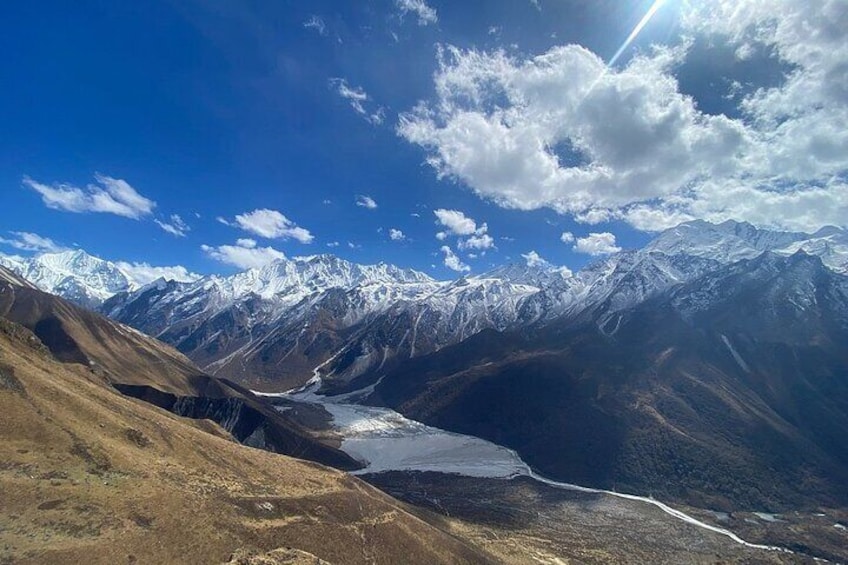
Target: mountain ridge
pixel 271 327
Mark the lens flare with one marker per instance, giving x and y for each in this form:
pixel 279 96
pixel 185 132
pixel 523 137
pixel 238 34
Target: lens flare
pixel 633 34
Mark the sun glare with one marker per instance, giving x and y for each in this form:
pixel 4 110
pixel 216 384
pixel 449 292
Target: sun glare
pixel 636 30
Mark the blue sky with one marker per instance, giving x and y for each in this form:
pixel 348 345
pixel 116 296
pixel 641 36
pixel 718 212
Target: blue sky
pixel 263 125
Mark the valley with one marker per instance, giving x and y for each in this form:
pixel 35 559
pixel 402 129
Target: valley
pixel 510 508
pixel 684 399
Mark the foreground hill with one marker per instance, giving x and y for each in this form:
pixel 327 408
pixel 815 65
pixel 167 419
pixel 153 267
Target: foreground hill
pixel 146 368
pixel 89 475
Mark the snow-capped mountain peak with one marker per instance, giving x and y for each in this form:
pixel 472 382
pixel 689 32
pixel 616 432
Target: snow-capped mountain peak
pixel 73 274
pixel 732 241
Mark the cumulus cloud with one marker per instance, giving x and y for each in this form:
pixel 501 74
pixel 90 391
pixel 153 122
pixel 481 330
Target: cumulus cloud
pixel 144 273
pixel 108 196
pixel 452 261
pixel 566 237
pixel 480 242
pixel 426 14
pixel 458 224
pixel 316 23
pixel 245 254
pixel 269 224
pixel 365 201
pixel 455 221
pixel 174 226
pixel 562 130
pixel 359 100
pixel 396 235
pixel 28 241
pixel 597 244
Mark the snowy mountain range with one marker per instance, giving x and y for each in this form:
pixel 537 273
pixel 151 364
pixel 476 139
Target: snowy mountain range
pixel 274 327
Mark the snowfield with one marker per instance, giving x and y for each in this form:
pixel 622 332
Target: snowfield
pixel 387 441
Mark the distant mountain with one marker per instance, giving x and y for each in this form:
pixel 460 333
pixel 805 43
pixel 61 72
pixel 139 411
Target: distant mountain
pixel 726 391
pixel 731 241
pixel 277 326
pixel 73 275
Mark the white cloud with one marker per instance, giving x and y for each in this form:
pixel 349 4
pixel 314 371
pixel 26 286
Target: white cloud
pixel 144 273
pixel 359 99
pixel 353 245
pixel 366 201
pixel 269 224
pixel 108 196
pixel 456 222
pixel 245 254
pixel 175 226
pixel 566 237
pixel 396 235
pixel 536 4
pixel 647 154
pixel 426 14
pixel 28 241
pixel 533 259
pixel 481 242
pixel 316 23
pixel 452 261
pixel 333 244
pixel 597 244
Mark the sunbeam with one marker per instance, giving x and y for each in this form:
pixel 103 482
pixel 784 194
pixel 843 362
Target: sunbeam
pixel 636 30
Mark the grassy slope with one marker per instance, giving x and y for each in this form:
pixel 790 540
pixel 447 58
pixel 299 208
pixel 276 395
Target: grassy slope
pixel 88 475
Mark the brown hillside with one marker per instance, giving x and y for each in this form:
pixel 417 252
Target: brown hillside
pixel 91 476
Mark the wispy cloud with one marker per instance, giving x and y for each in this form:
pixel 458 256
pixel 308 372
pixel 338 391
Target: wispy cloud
pixel 365 201
pixel 174 226
pixel 269 224
pixel 108 196
pixel 28 241
pixel 316 23
pixel 426 14
pixel 359 100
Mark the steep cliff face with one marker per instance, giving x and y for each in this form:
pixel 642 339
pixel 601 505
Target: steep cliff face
pixel 250 422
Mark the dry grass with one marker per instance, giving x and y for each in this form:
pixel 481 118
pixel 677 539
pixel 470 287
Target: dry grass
pixel 90 476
